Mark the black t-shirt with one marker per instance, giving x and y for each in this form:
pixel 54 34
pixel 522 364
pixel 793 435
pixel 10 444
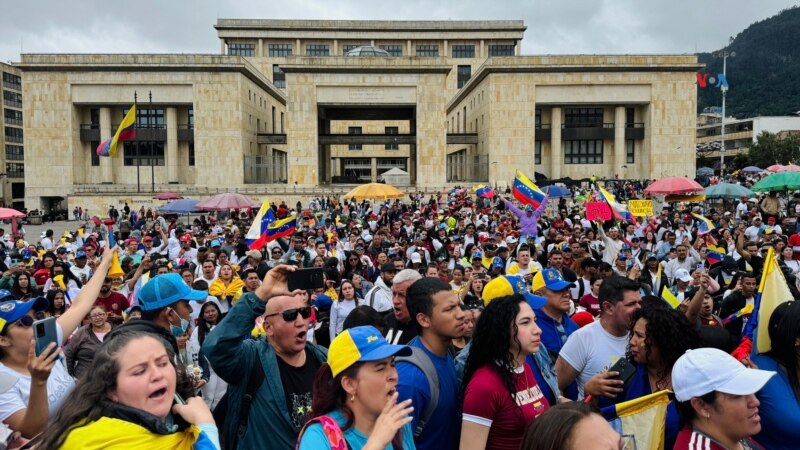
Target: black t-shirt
pixel 297 383
pixel 399 333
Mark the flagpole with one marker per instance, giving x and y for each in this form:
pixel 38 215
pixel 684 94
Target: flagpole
pixel 138 180
pixel 152 166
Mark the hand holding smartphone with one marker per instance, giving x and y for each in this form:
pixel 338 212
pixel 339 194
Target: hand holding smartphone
pixel 45 333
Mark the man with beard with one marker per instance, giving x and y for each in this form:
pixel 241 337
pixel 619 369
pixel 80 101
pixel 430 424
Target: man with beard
pixel 112 302
pixel 401 329
pixel 380 296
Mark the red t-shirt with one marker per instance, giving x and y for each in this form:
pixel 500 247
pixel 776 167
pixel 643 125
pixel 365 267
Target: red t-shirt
pixel 487 403
pixel 591 303
pixel 690 439
pixel 115 303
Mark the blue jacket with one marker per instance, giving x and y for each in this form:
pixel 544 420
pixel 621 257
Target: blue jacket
pixel 232 357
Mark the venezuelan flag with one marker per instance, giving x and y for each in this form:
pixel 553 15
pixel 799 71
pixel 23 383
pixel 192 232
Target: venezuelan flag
pixel 256 235
pixel 714 254
pixel 526 190
pixel 746 311
pixel 620 211
pixel 670 298
pixel 282 228
pixel 772 291
pixel 703 225
pixel 484 191
pixel 125 132
pixel 644 418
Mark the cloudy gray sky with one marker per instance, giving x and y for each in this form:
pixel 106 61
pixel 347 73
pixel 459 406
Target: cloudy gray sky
pixel 554 26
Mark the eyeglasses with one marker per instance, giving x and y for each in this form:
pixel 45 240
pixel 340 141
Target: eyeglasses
pixel 27 321
pixel 97 316
pixel 290 315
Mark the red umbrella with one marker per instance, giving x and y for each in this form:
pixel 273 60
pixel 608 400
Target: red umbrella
pixel 776 168
pixel 674 185
pixel 226 201
pixel 168 196
pixel 11 214
pixel 791 168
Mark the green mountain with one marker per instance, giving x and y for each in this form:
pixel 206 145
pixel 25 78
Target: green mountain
pixel 764 76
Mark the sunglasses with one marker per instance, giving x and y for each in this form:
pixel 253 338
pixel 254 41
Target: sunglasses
pixel 27 321
pixel 290 315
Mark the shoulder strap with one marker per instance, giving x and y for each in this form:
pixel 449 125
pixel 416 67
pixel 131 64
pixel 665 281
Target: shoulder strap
pixel 331 430
pixel 371 295
pixel 253 383
pixel 424 363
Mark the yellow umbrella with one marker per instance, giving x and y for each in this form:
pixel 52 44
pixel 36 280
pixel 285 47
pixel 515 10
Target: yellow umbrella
pixel 374 190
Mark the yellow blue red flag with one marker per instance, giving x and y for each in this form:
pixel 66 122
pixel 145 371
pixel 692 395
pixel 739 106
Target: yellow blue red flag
pixel 526 190
pixel 125 132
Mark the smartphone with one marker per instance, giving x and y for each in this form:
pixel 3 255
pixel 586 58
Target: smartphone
pixel 625 369
pixel 311 278
pixel 700 267
pixel 44 332
pixel 178 399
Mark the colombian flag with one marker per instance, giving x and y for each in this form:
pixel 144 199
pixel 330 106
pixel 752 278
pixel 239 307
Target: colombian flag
pixel 126 131
pixel 484 191
pixel 282 228
pixel 257 234
pixel 703 225
pixel 620 211
pixel 526 191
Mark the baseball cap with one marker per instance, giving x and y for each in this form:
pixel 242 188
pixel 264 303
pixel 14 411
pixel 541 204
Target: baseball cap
pixel 185 238
pixel 361 344
pixel 498 262
pixel 388 267
pixel 477 255
pixel 80 254
pixel 529 208
pixel 254 254
pixel 511 240
pixel 509 285
pixel 165 290
pixel 550 279
pixel 147 239
pixel 704 370
pixel 683 275
pixel 5 294
pixel 415 258
pixel 13 310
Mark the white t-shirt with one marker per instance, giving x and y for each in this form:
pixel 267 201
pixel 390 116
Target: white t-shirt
pixel 592 350
pixel 59 385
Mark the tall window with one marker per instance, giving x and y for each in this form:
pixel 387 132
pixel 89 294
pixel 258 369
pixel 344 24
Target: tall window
pixel 15 170
pixel 427 50
pixel 280 50
pixel 464 72
pixel 354 130
pixel 191 118
pixel 13 135
pixel 394 50
pixel 12 117
pixel 538 118
pixel 317 50
pixel 278 77
pixel 501 50
pixel 12 98
pixel 463 51
pixel 94 117
pixel 392 130
pixel 144 154
pixel 191 153
pixel 239 49
pixel 12 81
pixel 15 153
pixel 537 152
pixel 630 151
pixel 93 152
pixel 630 117
pixel 583 152
pixel 146 118
pixel 583 117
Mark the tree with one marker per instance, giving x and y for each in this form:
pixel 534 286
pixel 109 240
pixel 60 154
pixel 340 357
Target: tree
pixel 770 149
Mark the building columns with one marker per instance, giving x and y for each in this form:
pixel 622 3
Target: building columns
pixel 261 48
pixel 556 150
pixel 619 141
pixel 172 145
pixel 107 174
pixel 408 46
pixel 335 47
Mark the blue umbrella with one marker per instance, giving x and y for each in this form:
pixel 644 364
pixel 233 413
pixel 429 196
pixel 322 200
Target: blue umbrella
pixel 727 190
pixel 183 206
pixel 752 169
pixel 556 191
pixel 705 171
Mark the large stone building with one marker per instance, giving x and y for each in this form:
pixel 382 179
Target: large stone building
pixel 12 181
pixel 297 107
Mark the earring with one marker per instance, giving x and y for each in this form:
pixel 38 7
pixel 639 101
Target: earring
pixel 353 398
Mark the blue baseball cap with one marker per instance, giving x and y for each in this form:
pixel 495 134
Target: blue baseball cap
pixel 165 290
pixel 510 285
pixel 529 208
pixel 477 255
pixel 5 294
pixel 498 262
pixel 80 254
pixel 550 279
pixel 13 310
pixel 361 344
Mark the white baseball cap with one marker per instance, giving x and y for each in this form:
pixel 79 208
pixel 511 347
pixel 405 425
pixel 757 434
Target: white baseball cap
pixel 704 370
pixel 683 275
pixel 416 258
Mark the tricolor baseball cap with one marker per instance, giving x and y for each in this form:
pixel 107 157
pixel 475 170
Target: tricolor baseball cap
pixel 550 279
pixel 510 285
pixel 361 344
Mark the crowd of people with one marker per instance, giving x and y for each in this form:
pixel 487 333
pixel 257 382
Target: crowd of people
pixel 444 321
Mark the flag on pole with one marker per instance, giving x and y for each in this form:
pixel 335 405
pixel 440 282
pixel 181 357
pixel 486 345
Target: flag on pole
pixel 125 132
pixel 703 224
pixel 620 211
pixel 484 191
pixel 526 190
pixel 282 228
pixel 644 418
pixel 257 234
pixel 772 291
pixel 670 298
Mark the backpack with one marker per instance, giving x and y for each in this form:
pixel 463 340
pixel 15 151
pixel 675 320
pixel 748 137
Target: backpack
pixel 423 362
pixel 332 431
pixel 254 381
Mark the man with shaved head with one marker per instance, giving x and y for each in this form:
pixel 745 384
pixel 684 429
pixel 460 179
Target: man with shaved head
pixel 284 361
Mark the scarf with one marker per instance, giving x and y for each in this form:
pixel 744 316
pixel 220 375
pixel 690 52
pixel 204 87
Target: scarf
pixel 233 289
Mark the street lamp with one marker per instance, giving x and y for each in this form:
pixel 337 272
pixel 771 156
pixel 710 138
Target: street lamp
pixel 724 88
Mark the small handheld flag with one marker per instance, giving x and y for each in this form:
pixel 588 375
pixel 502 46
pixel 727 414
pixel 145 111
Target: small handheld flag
pixel 670 298
pixel 484 191
pixel 620 211
pixel 125 132
pixel 703 225
pixel 746 311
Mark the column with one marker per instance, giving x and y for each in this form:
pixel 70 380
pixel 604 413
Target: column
pixel 374 170
pixel 556 151
pixel 222 46
pixel 298 51
pixel 335 47
pixel 260 48
pixel 105 133
pixel 482 54
pixel 619 141
pixel 408 47
pixel 172 145
pixel 444 49
pixel 518 48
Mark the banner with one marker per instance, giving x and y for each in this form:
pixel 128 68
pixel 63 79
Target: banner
pixel 598 211
pixel 641 208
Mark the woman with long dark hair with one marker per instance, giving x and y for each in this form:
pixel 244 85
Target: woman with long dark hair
pixel 57 302
pixel 110 408
pixel 780 397
pixel 22 288
pixel 347 301
pixel 571 426
pixel 355 396
pixel 212 387
pixel 501 394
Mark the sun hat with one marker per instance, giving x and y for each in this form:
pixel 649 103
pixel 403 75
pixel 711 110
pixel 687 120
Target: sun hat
pixel 509 285
pixel 704 370
pixel 361 344
pixel 165 290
